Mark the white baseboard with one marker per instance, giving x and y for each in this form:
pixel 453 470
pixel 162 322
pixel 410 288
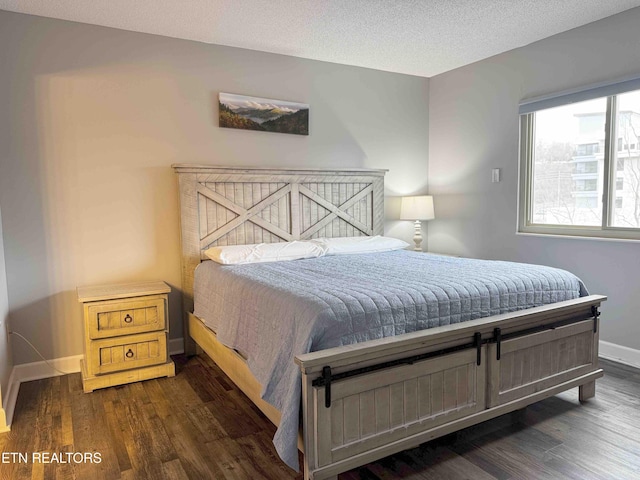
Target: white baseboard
pixel 619 353
pixel 176 346
pixel 54 368
pixel 11 397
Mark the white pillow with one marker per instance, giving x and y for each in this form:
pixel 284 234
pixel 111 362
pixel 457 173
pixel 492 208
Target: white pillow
pixel 264 252
pixel 350 245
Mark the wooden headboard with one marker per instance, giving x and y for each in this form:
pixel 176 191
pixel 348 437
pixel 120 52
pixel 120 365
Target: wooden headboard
pixel 237 206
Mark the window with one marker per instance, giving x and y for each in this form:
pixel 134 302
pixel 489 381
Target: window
pixel 579 161
pixel 586 149
pixel 585 167
pixel 586 185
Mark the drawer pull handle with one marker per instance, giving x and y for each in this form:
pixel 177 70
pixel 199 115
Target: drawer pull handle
pixel 128 319
pixel 129 354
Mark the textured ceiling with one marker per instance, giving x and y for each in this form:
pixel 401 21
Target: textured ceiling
pixel 417 37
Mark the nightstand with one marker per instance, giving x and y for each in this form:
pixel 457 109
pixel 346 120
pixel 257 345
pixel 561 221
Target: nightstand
pixel 125 334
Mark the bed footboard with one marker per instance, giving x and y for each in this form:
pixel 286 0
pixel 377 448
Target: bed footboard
pixel 366 401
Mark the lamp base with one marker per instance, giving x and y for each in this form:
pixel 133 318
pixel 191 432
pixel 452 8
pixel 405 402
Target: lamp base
pixel 417 237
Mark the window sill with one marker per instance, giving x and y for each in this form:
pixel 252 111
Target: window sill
pixel 596 235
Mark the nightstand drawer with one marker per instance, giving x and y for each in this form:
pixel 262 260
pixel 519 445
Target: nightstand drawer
pixel 125 317
pixel 131 351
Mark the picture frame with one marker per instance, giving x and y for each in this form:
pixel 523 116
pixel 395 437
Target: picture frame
pixel 263 114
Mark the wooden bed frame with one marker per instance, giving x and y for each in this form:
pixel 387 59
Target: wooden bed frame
pixel 366 401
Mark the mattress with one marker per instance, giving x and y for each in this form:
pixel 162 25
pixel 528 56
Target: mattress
pixel 274 311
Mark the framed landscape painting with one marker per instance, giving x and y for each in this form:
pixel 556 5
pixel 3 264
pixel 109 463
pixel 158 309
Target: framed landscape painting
pixel 263 114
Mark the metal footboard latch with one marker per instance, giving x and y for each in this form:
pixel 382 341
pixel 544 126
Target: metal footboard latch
pixel 477 342
pixel 497 337
pixel 325 381
pixel 326 376
pixel 596 313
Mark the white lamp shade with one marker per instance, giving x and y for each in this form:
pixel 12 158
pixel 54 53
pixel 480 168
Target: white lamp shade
pixel 417 208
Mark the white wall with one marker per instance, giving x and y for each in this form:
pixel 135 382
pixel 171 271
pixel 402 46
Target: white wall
pixel 91 120
pixel 6 361
pixel 474 128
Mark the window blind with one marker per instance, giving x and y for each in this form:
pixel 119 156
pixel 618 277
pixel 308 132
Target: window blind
pixel 579 95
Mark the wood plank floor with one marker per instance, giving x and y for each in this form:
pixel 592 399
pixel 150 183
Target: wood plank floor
pixel 197 425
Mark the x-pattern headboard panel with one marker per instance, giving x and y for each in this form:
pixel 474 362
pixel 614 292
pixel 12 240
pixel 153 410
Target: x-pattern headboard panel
pixel 236 213
pixel 238 206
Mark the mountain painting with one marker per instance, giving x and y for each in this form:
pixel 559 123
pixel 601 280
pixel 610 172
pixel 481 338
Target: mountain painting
pixel 263 114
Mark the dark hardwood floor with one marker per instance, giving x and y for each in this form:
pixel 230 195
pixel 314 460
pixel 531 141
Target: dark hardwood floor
pixel 197 425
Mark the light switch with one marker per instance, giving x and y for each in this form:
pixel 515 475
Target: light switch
pixel 495 175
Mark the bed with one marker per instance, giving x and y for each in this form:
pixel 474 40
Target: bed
pixel 363 401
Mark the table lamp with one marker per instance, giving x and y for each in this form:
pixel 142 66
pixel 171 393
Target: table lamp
pixel 417 208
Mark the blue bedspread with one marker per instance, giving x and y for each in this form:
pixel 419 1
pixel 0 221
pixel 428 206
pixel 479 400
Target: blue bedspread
pixel 273 311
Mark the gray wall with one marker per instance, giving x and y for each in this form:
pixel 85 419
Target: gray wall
pixel 474 127
pixel 91 120
pixel 6 362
